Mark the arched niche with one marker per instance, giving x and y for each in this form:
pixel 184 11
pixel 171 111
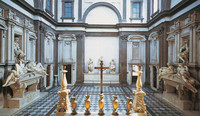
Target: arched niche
pixel 49 47
pixel 67 56
pixel 136 56
pixel 102 13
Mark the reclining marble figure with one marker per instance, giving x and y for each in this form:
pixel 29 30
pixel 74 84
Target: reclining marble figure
pixel 15 74
pixel 166 70
pixel 189 82
pixel 38 68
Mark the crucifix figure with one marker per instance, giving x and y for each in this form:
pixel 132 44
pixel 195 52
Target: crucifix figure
pixel 101 69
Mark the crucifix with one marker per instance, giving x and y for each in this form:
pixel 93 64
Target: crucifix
pixel 101 69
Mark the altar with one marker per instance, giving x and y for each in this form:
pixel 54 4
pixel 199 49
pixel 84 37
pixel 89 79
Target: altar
pixel 107 78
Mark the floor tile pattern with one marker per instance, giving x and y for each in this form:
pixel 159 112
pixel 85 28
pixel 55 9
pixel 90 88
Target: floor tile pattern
pixel 46 105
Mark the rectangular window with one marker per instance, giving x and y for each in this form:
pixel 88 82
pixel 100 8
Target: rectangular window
pixel 136 10
pixel 68 9
pixel 49 5
pixel 155 5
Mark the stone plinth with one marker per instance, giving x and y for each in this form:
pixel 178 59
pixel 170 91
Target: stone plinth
pixel 175 100
pixel 20 102
pixel 24 91
pixel 107 78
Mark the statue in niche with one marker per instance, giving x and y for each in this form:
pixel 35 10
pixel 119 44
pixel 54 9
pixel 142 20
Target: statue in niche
pixel 90 66
pixel 184 74
pixel 183 54
pixel 38 68
pixel 166 70
pixel 19 54
pixel 112 66
pixel 20 70
pixel 101 59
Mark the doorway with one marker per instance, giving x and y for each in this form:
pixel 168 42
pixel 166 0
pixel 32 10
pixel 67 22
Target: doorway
pixel 68 74
pixel 48 75
pixel 134 73
pixel 154 76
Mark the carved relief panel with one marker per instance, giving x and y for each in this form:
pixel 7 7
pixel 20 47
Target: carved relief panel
pixel 49 47
pixel 67 45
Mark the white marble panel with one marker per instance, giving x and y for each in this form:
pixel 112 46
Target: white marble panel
pixel 95 78
pixel 108 47
pixel 101 15
pixel 101 30
pixel 133 29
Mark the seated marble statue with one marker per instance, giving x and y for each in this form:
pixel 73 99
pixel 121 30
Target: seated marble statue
pixel 166 70
pixel 90 66
pixel 18 73
pixel 183 53
pixel 112 66
pixel 38 68
pixel 101 59
pixel 184 74
pixel 18 52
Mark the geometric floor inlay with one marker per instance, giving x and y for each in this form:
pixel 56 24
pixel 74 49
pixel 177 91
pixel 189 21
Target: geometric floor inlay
pixel 47 104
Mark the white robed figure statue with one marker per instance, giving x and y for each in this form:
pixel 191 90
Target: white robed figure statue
pixel 90 66
pixel 99 63
pixel 112 67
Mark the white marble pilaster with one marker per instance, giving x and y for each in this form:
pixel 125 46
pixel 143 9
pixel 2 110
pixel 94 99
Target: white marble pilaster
pixel 190 45
pixel 3 38
pixel 11 44
pixel 74 57
pixel 194 46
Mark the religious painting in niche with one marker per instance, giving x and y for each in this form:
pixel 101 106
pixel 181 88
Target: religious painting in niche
pixel 48 75
pixel 134 73
pixel 68 74
pixel 154 77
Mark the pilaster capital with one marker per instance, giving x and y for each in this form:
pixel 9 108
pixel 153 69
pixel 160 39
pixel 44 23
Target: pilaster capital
pixel 124 37
pixel 79 36
pixel 42 29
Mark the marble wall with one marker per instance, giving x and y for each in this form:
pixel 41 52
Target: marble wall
pixel 108 47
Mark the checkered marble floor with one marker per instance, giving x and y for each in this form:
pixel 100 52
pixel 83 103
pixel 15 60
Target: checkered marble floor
pixel 47 105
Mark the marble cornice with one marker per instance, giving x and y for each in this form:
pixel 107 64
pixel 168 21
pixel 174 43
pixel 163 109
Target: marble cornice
pixel 166 13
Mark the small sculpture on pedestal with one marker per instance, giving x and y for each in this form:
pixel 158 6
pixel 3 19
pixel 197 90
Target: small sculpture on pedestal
pixel 90 66
pixel 112 67
pixel 63 105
